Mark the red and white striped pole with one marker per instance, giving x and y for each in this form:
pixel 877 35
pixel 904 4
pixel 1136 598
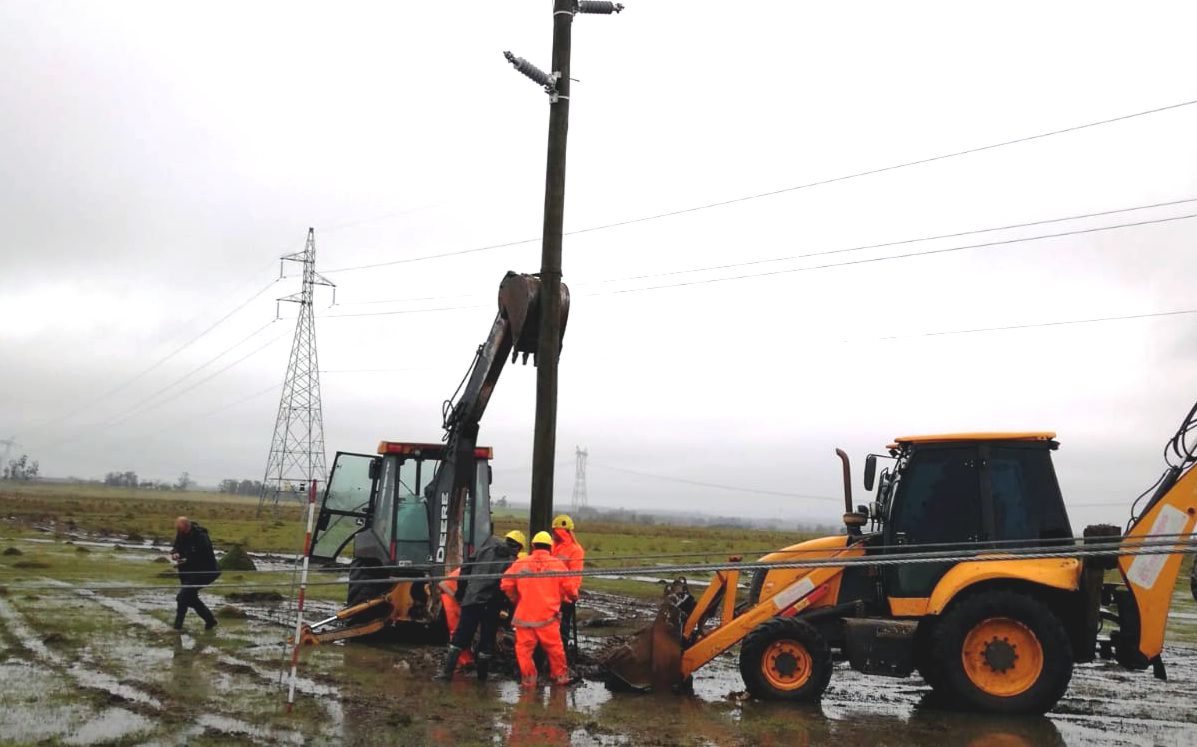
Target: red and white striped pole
pixel 303 585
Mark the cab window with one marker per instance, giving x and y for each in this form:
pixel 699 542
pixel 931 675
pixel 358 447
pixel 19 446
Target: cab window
pixel 1026 497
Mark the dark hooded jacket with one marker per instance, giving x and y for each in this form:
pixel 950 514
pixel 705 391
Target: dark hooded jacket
pixel 198 566
pixel 493 557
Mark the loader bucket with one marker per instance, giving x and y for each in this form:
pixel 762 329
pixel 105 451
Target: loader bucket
pixel 519 303
pixel 652 658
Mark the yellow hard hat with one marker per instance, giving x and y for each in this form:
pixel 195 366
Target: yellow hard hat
pixel 562 521
pixel 517 536
pixel 542 538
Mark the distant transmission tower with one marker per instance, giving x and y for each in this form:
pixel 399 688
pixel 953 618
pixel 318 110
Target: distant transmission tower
pixel 580 500
pixel 297 449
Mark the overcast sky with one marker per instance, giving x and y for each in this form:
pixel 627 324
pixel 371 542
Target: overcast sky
pixel 158 157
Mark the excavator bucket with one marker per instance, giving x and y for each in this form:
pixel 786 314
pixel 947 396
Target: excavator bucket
pixel 652 658
pixel 519 303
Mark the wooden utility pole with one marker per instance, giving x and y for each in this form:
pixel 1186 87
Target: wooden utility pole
pixel 556 84
pixel 544 439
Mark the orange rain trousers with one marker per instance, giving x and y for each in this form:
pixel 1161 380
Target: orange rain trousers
pixel 453 613
pixel 549 638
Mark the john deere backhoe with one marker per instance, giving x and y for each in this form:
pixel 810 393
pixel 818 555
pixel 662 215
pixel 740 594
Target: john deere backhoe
pixel 417 510
pixel 964 568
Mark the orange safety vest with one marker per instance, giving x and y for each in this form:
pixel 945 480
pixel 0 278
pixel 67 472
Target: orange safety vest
pixel 537 598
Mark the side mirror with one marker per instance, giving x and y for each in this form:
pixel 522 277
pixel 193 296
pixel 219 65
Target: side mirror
pixel 375 468
pixel 870 471
pixel 490 475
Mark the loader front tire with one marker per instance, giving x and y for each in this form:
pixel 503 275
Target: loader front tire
pixel 1003 652
pixel 785 658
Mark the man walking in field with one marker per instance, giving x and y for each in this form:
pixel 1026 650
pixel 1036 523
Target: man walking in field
pixel 196 561
pixel 538 599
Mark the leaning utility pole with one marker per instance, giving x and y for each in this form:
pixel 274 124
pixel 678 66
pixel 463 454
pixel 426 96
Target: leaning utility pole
pixel 296 456
pixel 556 84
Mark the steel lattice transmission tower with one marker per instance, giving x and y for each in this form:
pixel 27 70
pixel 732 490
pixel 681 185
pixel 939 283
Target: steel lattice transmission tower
pixel 580 499
pixel 297 449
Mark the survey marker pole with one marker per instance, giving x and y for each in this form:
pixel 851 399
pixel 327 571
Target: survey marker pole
pixel 303 585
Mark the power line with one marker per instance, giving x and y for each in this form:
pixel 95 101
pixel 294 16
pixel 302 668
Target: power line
pixel 405 311
pixel 900 242
pixel 1035 325
pixel 121 418
pixel 154 366
pixel 927 252
pixel 749 263
pixel 783 190
pixel 736 488
pixel 206 363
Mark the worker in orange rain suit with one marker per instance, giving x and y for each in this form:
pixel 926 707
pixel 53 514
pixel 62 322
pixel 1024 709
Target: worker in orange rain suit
pixel 452 608
pixel 538 601
pixel 567 549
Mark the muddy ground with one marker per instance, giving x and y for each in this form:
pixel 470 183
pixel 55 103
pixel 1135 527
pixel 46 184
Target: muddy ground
pixel 82 665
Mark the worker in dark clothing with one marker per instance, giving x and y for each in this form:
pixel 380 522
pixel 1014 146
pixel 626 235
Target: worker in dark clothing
pixel 196 561
pixel 481 603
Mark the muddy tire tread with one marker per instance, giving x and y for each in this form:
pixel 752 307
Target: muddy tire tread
pixel 1057 651
pixel 792 628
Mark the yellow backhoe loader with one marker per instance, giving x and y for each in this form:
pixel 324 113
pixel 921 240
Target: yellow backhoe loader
pixel 964 568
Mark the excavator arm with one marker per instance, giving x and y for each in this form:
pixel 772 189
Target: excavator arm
pixel 514 332
pixel 1170 514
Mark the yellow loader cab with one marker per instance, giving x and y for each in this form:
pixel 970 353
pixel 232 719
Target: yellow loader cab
pixel 964 567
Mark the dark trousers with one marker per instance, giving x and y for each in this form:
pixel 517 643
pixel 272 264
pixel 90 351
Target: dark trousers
pixel 188 597
pixel 568 610
pixel 478 618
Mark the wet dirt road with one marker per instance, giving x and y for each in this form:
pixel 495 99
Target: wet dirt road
pixel 81 666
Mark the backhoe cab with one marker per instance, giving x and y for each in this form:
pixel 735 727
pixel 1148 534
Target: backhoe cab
pixel 380 512
pixel 964 567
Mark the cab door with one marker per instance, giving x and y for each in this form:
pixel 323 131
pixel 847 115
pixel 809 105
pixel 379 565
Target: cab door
pixel 348 504
pixel 937 504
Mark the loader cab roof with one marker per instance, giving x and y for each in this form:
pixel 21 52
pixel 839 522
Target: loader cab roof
pixel 426 450
pixel 940 438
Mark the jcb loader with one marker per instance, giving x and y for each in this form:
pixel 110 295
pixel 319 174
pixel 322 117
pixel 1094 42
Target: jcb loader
pixel 418 510
pixel 964 568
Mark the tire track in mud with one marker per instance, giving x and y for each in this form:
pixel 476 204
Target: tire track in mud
pixel 106 683
pixel 94 680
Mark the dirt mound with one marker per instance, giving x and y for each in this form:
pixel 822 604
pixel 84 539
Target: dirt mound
pixel 30 564
pixel 237 559
pixel 256 597
pixel 229 612
pixel 81 548
pixel 13 551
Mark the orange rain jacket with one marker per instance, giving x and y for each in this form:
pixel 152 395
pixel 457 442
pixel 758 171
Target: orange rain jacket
pixel 568 551
pixel 537 598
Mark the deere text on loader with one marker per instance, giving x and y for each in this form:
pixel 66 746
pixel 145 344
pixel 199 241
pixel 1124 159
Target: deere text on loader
pixel 417 510
pixel 964 568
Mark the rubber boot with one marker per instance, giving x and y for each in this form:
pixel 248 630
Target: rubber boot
pixel 482 666
pixel 449 665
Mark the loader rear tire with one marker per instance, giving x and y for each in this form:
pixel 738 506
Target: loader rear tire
pixel 785 658
pixel 1003 652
